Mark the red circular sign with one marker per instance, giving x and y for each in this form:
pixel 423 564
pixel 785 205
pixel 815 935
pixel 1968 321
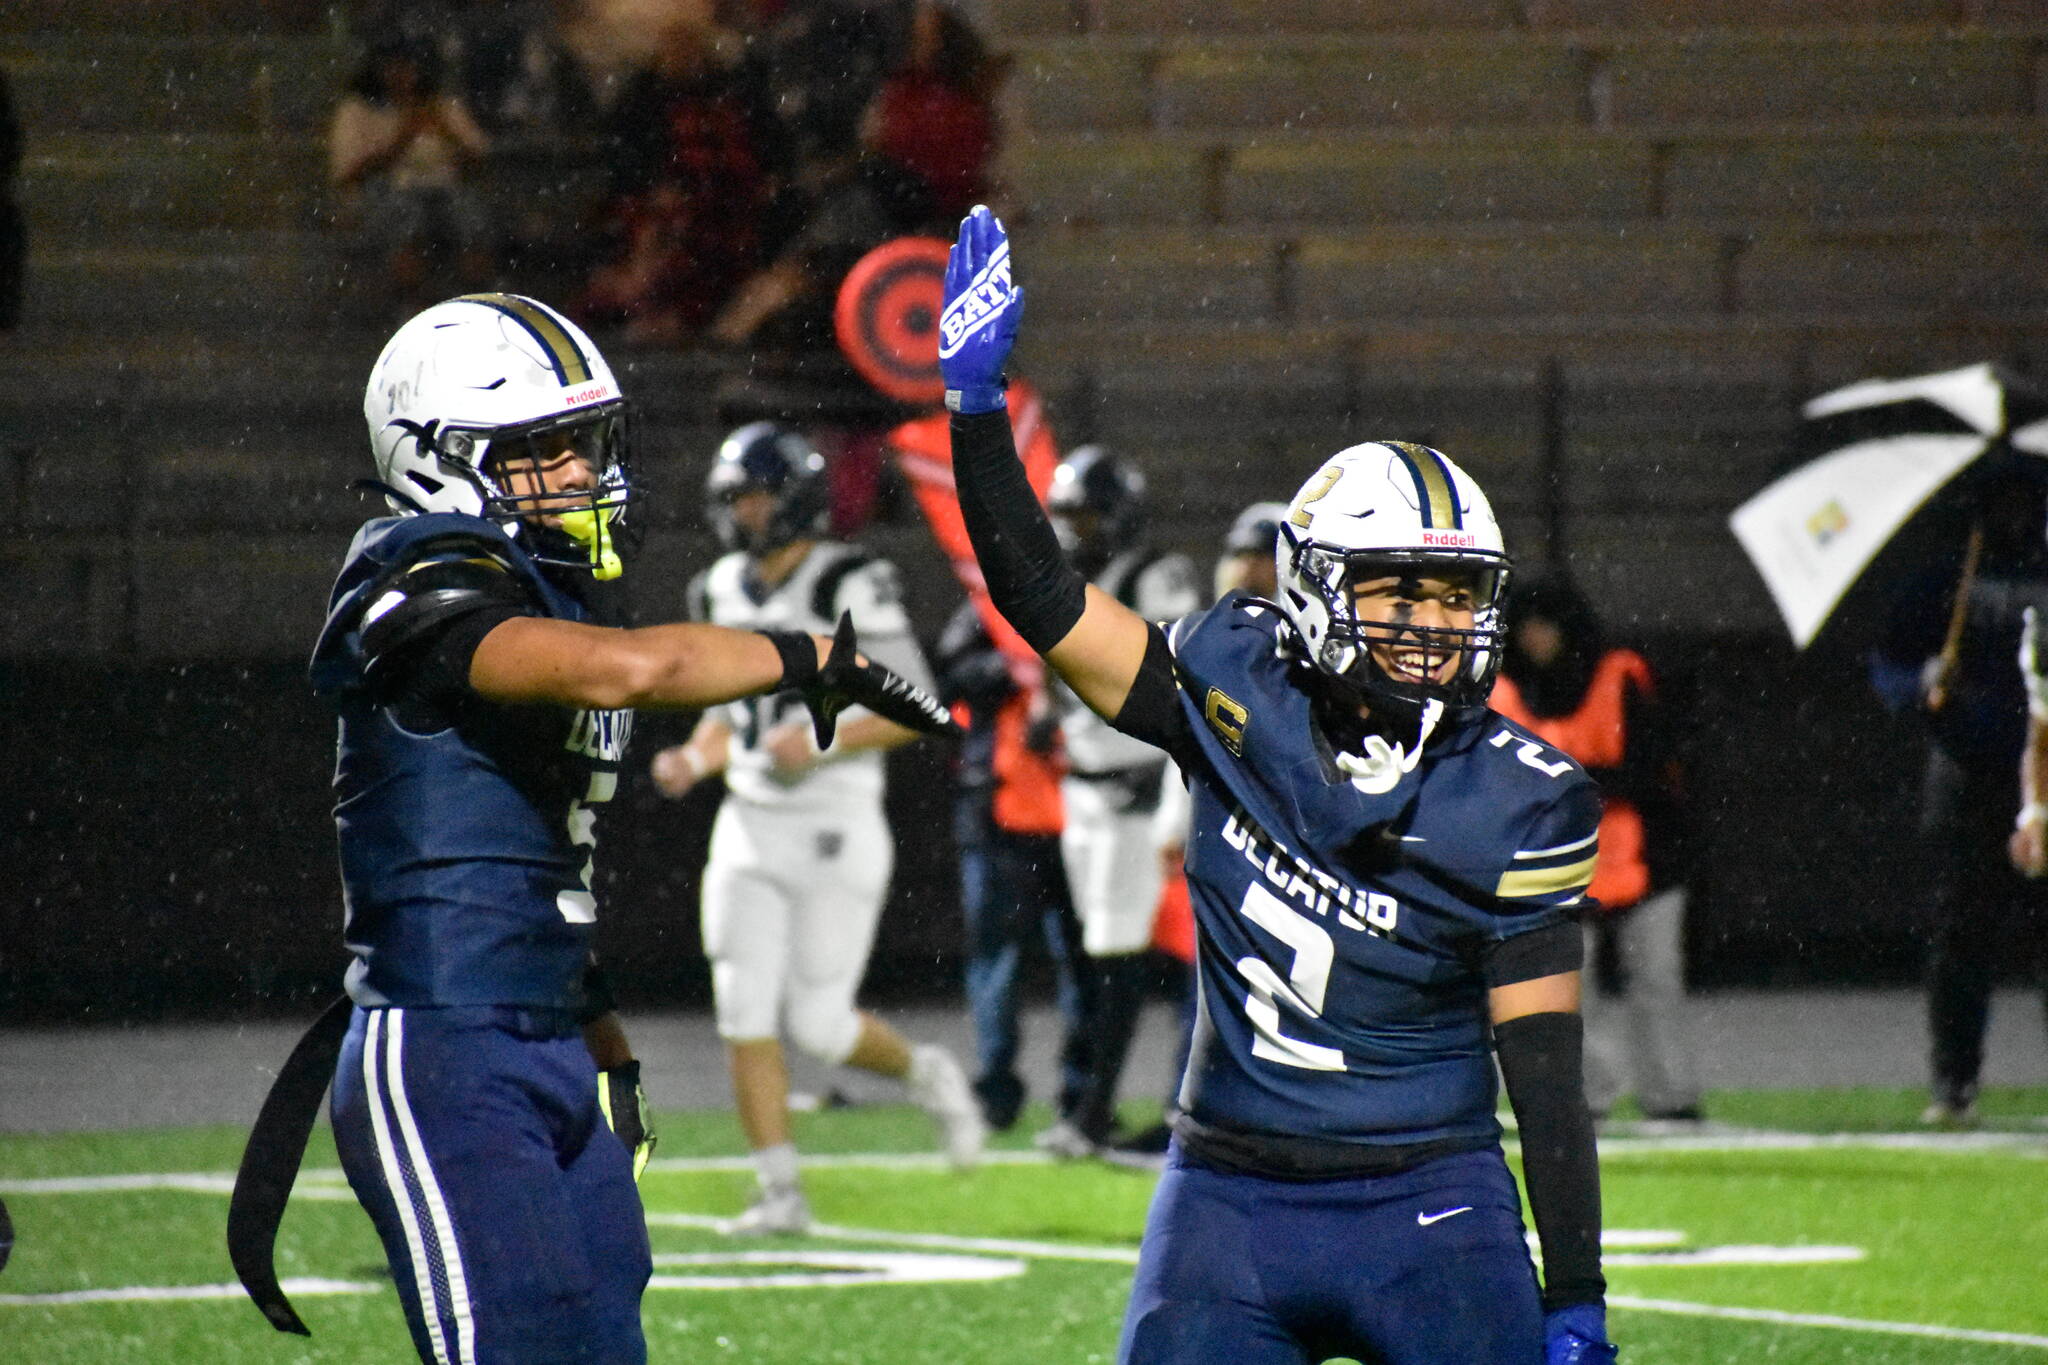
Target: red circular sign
pixel 887 318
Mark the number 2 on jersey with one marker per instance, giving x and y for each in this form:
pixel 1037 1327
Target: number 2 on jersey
pixel 1308 977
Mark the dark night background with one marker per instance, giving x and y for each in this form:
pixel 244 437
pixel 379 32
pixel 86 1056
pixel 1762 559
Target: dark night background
pixel 1601 265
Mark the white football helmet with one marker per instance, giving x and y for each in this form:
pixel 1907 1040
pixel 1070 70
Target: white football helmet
pixel 1391 508
pixel 475 383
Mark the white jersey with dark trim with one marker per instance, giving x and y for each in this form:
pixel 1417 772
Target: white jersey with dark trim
pixel 832 578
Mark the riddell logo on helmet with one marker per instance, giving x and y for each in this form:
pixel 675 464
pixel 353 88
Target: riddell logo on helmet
pixel 587 395
pixel 1457 540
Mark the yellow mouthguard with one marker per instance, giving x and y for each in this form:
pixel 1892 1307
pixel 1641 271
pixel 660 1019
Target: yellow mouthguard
pixel 592 527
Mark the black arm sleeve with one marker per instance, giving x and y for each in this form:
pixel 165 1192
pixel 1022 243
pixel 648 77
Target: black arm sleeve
pixel 1540 1057
pixel 1029 580
pixel 1547 951
pixel 1152 710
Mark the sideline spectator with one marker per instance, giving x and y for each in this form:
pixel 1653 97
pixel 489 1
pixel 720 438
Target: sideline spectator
pixel 1972 705
pixel 526 77
pixel 1013 884
pixel 690 191
pixel 935 113
pixel 1600 706
pixel 817 64
pixel 13 235
pixel 926 139
pixel 399 150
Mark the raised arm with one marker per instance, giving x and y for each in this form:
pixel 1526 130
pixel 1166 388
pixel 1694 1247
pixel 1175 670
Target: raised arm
pixel 1094 642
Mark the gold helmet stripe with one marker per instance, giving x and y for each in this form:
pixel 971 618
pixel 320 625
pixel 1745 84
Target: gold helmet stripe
pixel 571 366
pixel 1433 488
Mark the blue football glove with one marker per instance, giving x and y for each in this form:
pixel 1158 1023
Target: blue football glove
pixel 979 323
pixel 1577 1336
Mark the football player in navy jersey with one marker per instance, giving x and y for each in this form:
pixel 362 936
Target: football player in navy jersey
pixel 484 715
pixel 1384 877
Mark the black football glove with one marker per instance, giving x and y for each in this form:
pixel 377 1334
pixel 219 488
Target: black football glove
pixel 846 680
pixel 625 1108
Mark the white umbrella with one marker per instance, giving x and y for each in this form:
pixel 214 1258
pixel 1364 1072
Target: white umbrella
pixel 1814 531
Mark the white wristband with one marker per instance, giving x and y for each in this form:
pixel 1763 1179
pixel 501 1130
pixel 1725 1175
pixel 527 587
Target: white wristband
pixel 2034 812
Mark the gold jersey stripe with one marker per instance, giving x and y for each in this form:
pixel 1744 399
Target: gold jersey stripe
pixel 571 366
pixel 1546 881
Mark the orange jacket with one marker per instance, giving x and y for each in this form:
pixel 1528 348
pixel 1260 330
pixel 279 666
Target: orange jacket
pixel 1173 924
pixel 1027 783
pixel 1596 735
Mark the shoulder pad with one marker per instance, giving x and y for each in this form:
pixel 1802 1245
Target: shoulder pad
pixel 722 587
pixel 697 596
pixel 825 587
pixel 1119 578
pixel 1166 588
pixel 425 595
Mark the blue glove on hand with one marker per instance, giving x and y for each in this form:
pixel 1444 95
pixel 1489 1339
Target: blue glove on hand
pixel 979 324
pixel 1577 1336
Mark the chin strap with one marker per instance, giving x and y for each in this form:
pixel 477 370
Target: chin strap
pixel 1381 767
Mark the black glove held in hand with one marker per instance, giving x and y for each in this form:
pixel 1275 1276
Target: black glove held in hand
pixel 849 680
pixel 625 1109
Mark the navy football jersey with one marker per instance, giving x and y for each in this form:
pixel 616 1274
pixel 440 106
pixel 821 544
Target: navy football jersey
pixel 1344 932
pixel 466 844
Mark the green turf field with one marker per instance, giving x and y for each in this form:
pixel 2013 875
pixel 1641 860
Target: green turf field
pixel 1803 1227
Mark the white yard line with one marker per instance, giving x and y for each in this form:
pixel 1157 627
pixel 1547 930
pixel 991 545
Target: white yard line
pixel 937 1241
pixel 300 1288
pixel 1771 1315
pixel 1769 1140
pixel 315 1182
pixel 997 1246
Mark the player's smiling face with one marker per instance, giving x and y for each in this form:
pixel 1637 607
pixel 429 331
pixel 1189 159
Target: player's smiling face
pixel 1403 614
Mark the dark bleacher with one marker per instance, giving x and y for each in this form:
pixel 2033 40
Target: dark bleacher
pixel 1793 195
pixel 1597 249
pixel 1251 232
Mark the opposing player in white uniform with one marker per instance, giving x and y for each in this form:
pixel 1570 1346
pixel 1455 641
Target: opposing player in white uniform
pixel 1111 791
pixel 801 852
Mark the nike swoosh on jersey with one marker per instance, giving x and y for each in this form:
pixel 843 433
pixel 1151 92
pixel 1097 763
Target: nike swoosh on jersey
pixel 1423 1220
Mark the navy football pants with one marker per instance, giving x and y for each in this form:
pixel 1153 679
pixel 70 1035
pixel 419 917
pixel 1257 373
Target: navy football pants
pixel 507 1208
pixel 1427 1267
